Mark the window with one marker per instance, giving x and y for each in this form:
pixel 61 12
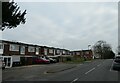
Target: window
pixel 63 52
pixel 45 51
pixel 87 52
pixel 50 50
pixel 78 53
pixel 37 51
pixel 22 50
pixel 1 46
pixel 14 47
pixel 31 49
pixel 58 51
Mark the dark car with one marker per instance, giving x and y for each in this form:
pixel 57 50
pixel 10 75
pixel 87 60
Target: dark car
pixel 41 60
pixel 116 63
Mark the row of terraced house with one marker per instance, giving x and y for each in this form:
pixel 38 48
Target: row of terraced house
pixel 22 53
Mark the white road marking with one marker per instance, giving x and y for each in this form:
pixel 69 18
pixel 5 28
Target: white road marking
pixel 98 65
pixel 90 70
pixel 74 80
pixel 111 67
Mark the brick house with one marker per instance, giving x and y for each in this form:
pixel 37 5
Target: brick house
pixel 20 53
pixel 87 53
pixel 17 53
pixel 83 53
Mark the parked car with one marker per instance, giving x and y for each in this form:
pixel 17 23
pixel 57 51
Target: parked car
pixel 41 60
pixel 51 59
pixel 116 63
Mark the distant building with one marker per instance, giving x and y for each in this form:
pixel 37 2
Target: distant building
pixel 83 53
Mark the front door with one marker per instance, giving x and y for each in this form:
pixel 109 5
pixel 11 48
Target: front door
pixel 8 62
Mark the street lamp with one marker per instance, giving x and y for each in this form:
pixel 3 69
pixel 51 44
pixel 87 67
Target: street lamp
pixel 88 46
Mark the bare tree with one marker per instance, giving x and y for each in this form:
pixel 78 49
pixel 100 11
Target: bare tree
pixel 102 49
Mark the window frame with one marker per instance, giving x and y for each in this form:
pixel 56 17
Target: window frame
pixel 1 46
pixel 31 49
pixel 51 51
pixel 14 47
pixel 37 50
pixel 22 51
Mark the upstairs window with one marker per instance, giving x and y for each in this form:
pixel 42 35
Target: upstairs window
pixel 58 51
pixel 14 47
pixel 78 53
pixel 45 51
pixel 63 52
pixel 37 50
pixel 87 52
pixel 1 46
pixel 31 49
pixel 22 50
pixel 50 50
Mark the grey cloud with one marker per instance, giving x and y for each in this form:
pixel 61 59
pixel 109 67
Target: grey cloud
pixel 68 25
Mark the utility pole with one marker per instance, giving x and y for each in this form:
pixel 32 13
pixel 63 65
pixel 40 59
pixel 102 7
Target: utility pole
pixel 88 47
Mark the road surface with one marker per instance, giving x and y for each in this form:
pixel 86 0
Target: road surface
pixel 96 70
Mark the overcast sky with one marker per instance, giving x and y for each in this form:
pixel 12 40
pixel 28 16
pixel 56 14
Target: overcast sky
pixel 70 25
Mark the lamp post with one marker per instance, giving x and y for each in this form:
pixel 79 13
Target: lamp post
pixel 88 46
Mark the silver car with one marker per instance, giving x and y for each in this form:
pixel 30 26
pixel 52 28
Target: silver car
pixel 116 63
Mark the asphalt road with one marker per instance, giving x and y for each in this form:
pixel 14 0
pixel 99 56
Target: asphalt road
pixel 97 70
